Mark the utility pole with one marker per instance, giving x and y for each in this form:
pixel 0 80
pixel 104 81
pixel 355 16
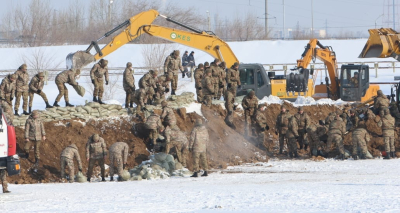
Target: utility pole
pixel 109 12
pixel 283 30
pixel 326 27
pixel 394 18
pixel 209 23
pixel 312 19
pixel 266 18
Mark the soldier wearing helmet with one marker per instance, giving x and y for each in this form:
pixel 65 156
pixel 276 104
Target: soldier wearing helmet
pixel 65 77
pixel 7 88
pixel 129 85
pixel 199 139
pixel 388 124
pixel 281 127
pixel 96 152
pixel 233 77
pixel 36 87
pixel 171 66
pixel 249 104
pixel 22 87
pixel 96 74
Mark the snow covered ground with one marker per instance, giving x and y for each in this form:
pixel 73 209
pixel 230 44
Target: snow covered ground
pixel 276 186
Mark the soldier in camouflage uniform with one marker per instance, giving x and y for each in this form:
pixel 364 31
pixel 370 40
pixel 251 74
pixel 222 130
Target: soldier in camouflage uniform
pixel 3 179
pixel 292 135
pixel 118 158
pixel 249 104
pixel 381 103
pixel 167 115
pixel 360 138
pixel 153 123
pixel 216 73
pixel 199 139
pixel 140 99
pixel 7 88
pixel 208 88
pixel 229 106
pixel 233 77
pixel 171 66
pixel 129 85
pixel 198 76
pixel 260 124
pixel 222 80
pixel 7 110
pixel 337 129
pixel 36 87
pixel 96 152
pixel 65 77
pixel 22 89
pixel 96 74
pixel 177 139
pixel 303 121
pixel 67 158
pixel 162 84
pixel 34 134
pixel 354 119
pixel 148 83
pixel 331 117
pixel 387 122
pixel 281 127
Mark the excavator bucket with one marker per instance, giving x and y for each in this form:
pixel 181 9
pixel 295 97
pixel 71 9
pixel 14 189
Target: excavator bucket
pixel 79 59
pixel 382 43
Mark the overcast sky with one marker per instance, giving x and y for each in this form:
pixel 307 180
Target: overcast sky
pixel 333 15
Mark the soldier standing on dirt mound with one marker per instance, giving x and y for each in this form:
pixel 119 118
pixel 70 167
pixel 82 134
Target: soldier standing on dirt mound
pixel 354 118
pixel 67 158
pixel 198 76
pixel 117 150
pixel 177 139
pixel 36 87
pixel 281 127
pixel 171 66
pixel 129 85
pixel 293 135
pixel 162 88
pixel 249 104
pixel 381 103
pixel 222 80
pixel 34 134
pixel 303 121
pixel 96 152
pixel 7 88
pixel 96 74
pixel 216 72
pixel 360 138
pixel 229 106
pixel 153 123
pixel 207 87
pixel 167 115
pixel 387 122
pixel 198 146
pixel 260 124
pixel 148 83
pixel 65 77
pixel 22 89
pixel 337 129
pixel 233 77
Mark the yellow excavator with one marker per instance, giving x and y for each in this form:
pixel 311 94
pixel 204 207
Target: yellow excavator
pixel 382 43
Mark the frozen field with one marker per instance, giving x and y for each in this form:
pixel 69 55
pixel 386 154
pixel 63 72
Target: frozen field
pixel 277 186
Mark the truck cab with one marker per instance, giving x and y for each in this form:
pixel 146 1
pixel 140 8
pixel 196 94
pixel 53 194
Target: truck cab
pixel 254 77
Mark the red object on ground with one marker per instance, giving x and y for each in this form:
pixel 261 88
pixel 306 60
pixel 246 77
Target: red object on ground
pixel 383 153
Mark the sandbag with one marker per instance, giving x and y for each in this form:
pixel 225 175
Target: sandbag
pixel 87 108
pixel 51 110
pixel 79 109
pixel 125 175
pixel 93 104
pixel 62 109
pixel 80 178
pixel 80 90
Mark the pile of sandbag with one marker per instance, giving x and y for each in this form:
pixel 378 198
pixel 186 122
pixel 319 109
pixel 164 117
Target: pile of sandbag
pixel 178 101
pixel 160 166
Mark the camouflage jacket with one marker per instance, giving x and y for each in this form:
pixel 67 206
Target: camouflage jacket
pixel 282 122
pixel 96 150
pixel 162 84
pixel 312 133
pixel 216 73
pixel 229 101
pixel 207 86
pixel 260 119
pixel 7 88
pixel 97 72
pixel 337 127
pixel 36 84
pixel 120 150
pixel 330 118
pixel 233 77
pixel 292 128
pixel 354 120
pixel 147 81
pixel 198 76
pixel 168 115
pixel 175 136
pixel 250 104
pixel 303 120
pixel 199 139
pixel 381 102
pixel 222 76
pixel 7 110
pixel 70 152
pixel 141 97
pixel 22 81
pixel 66 76
pixel 153 122
pixel 129 79
pixel 34 129
pixel 172 64
pixel 387 123
pixel 360 134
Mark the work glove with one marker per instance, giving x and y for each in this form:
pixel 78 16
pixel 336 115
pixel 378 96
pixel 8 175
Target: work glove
pixel 154 96
pixel 234 107
pixel 106 82
pixel 267 127
pixel 144 109
pixel 166 89
pixel 262 129
pixel 80 169
pixel 221 86
pixel 93 81
pixel 133 88
pixel 276 132
pixel 199 88
pixel 39 91
pixel 229 85
pixel 297 137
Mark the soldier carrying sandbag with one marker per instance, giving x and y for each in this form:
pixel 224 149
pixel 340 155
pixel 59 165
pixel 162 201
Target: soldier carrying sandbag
pixel 67 159
pixel 65 77
pixel 96 152
pixel 36 87
pixel 118 158
pixel 96 75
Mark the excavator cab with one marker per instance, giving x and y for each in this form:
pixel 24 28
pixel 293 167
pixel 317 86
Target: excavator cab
pixel 354 82
pixel 254 77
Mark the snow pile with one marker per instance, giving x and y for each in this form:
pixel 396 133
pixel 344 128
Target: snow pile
pixel 270 100
pixel 113 102
pixel 301 100
pixel 194 107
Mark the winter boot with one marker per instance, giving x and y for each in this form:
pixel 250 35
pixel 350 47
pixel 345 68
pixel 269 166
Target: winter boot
pixel 296 155
pixel 119 178
pixel 205 174
pixel 36 162
pixel 126 105
pixel 88 179
pixel 94 99
pixel 194 175
pixel 393 154
pixel 67 104
pixel 355 157
pixel 100 102
pixel 301 146
pixel 291 154
pixel 173 92
pixel 48 106
pixel 305 146
pixel 55 104
pixel 131 105
pixel 183 74
pixel 16 113
pixel 111 178
pixel 103 179
pixel 280 151
pixel 6 191
pixel 387 157
pixel 30 110
pixel 341 156
pixel 26 113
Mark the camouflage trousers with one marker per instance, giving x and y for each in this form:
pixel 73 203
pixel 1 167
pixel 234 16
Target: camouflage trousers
pixel 207 100
pixel 116 161
pixel 292 145
pixel 24 95
pixel 216 90
pixel 153 135
pixel 338 140
pixel 71 170
pixel 130 94
pixel 388 138
pixel 3 179
pixel 62 91
pixel 98 87
pixel 36 145
pixel 200 96
pixel 41 94
pixel 174 80
pixel 221 92
pixel 202 156
pixel 8 99
pixel 99 162
pixel 233 88
pixel 181 151
pixel 282 139
pixel 247 123
pixel 358 141
pixel 260 136
pixel 302 138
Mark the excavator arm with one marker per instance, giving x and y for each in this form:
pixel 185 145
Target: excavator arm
pixel 141 23
pixel 382 43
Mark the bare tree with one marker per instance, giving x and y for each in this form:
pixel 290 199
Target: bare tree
pixel 39 59
pixel 155 54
